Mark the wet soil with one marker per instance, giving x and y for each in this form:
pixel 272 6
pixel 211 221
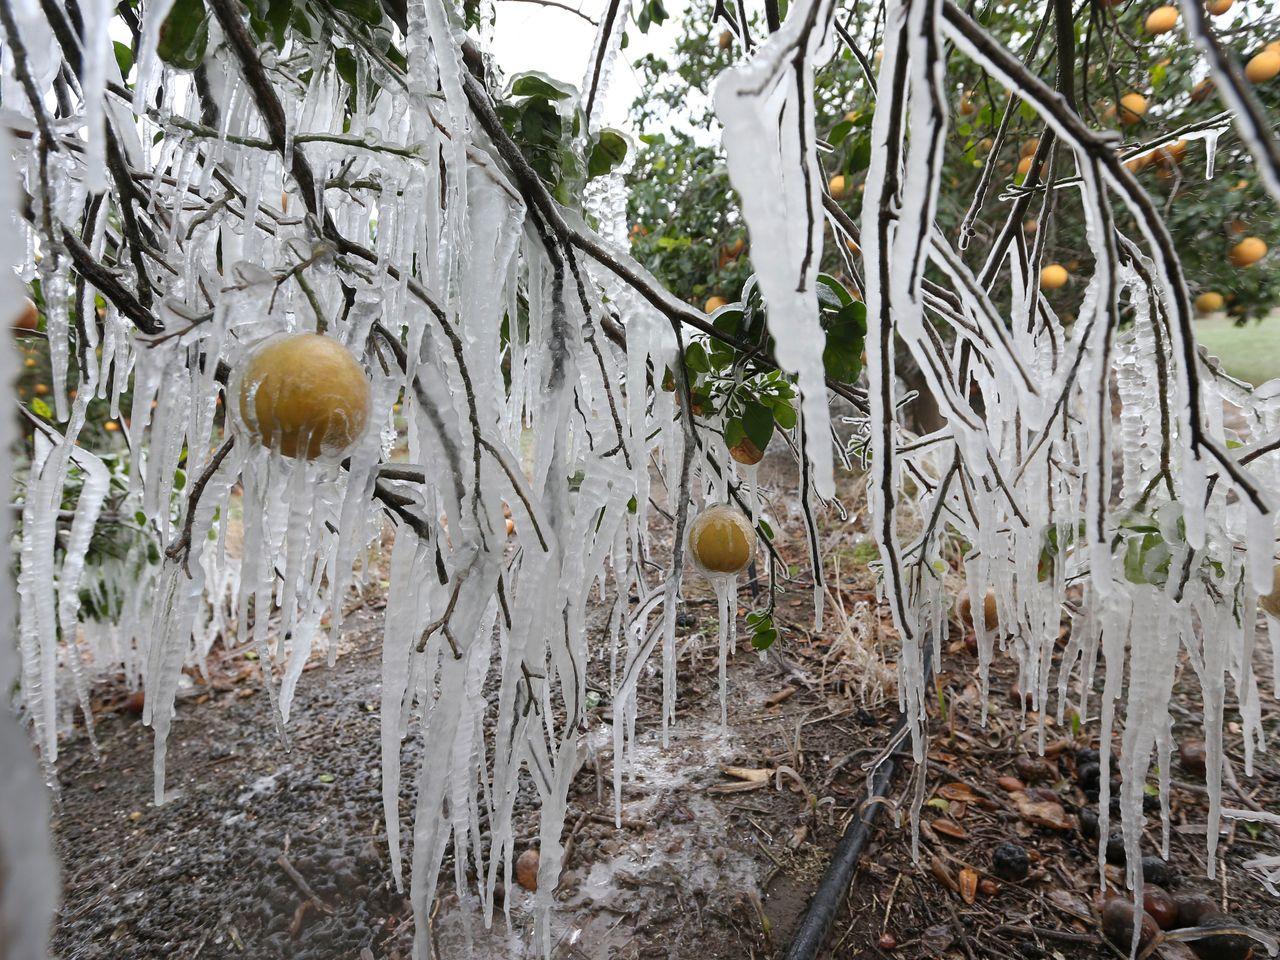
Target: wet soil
pixel 263 853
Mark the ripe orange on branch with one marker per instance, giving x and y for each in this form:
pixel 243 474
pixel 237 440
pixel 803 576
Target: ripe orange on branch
pixel 303 394
pixel 1247 252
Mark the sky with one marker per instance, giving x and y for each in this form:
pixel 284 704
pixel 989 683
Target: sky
pixel 529 36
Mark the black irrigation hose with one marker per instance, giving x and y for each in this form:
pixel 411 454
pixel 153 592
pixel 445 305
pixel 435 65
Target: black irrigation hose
pixel 834 886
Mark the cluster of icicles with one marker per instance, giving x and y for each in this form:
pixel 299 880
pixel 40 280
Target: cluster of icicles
pixel 557 426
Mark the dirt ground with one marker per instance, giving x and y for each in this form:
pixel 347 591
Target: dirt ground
pixel 266 854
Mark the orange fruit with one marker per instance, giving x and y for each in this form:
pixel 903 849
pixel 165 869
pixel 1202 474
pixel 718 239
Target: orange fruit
pixel 303 394
pixel 715 303
pixel 1030 147
pixel 1217 8
pixel 111 426
pixel 1132 108
pixel 1161 20
pixel 838 187
pixel 1209 302
pixel 721 540
pixel 1024 166
pixel 1053 277
pixel 1247 252
pixel 1263 67
pixel 28 317
pixel 1201 90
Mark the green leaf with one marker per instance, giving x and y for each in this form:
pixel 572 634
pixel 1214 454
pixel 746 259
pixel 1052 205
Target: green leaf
pixel 609 150
pixel 124 57
pixel 534 84
pixel 733 432
pixel 840 131
pixel 783 413
pixel 632 505
pixel 184 35
pixel 765 529
pixel 695 358
pixel 326 778
pixel 370 11
pixel 757 420
pixel 40 408
pixel 860 155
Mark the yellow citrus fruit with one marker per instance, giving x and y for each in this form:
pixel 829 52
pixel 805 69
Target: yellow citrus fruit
pixel 1024 166
pixel 1217 8
pixel 1209 302
pixel 1201 90
pixel 41 389
pixel 28 317
pixel 1263 67
pixel 303 394
pixel 744 451
pixel 1273 45
pixel 1162 20
pixel 715 303
pixel 1030 225
pixel 111 426
pixel 721 540
pixel 1030 147
pixel 29 362
pixel 1133 106
pixel 838 187
pixel 1054 276
pixel 967 109
pixel 1248 251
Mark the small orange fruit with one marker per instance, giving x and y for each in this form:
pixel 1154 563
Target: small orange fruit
pixel 1209 302
pixel 1133 107
pixel 1054 276
pixel 1217 8
pixel 1247 252
pixel 715 303
pixel 1263 67
pixel 28 317
pixel 838 186
pixel 1161 20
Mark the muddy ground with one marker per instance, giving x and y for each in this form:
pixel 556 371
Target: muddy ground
pixel 266 854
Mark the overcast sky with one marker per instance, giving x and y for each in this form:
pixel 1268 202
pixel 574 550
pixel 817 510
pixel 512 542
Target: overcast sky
pixel 530 36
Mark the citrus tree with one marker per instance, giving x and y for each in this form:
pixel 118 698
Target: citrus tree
pixel 325 266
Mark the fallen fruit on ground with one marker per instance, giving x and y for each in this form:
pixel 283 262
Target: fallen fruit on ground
pixel 1117 923
pixel 1054 276
pixel 1157 902
pixel 964 610
pixel 721 540
pixel 1195 908
pixel 1223 946
pixel 303 394
pixel 527 870
pixel 1193 756
pixel 1009 861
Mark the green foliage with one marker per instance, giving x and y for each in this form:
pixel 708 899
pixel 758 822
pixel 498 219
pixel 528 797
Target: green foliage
pixel 184 35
